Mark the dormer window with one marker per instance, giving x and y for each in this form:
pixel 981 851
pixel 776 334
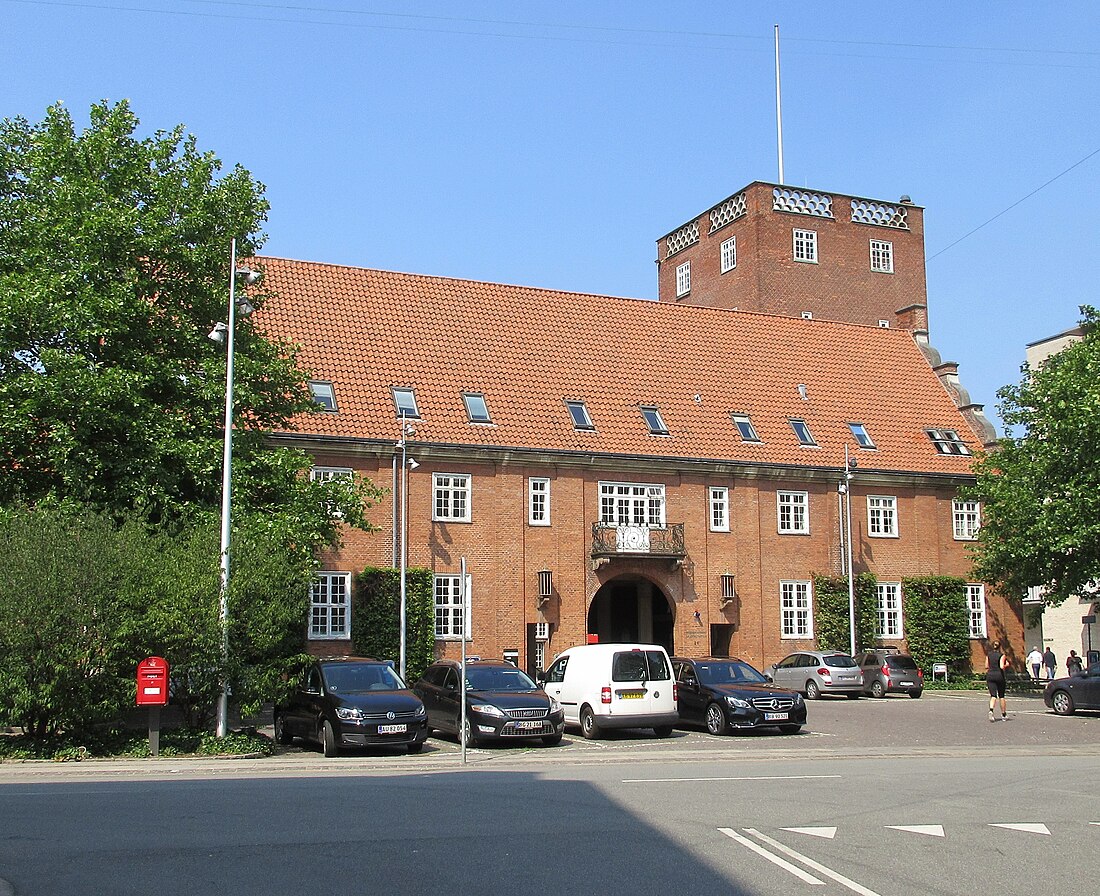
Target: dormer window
pixel 745 428
pixel 805 437
pixel 476 409
pixel 653 420
pixel 861 436
pixel 404 401
pixel 578 410
pixel 947 441
pixel 323 394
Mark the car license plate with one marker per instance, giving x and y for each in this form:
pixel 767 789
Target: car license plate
pixel 906 684
pixel 631 695
pixel 392 729
pixel 527 726
pixel 775 717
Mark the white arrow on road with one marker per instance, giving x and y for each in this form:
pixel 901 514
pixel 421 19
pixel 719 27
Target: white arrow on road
pixel 932 830
pixel 1026 828
pixel 823 833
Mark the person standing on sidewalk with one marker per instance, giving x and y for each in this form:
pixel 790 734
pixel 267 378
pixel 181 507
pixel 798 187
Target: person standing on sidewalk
pixel 1073 663
pixel 1035 663
pixel 996 663
pixel 1050 661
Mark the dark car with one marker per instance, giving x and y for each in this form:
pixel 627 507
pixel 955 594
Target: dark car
pixel 1078 691
pixel 502 703
pixel 725 693
pixel 889 672
pixel 353 702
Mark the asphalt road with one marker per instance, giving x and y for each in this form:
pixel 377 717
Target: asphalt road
pixel 896 796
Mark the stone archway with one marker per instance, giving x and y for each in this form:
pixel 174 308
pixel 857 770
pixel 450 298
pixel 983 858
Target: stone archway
pixel 631 608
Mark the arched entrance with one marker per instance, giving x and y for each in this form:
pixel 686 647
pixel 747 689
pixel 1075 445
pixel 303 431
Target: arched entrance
pixel 631 609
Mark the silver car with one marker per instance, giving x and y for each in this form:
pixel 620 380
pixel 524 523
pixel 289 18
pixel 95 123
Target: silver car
pixel 817 672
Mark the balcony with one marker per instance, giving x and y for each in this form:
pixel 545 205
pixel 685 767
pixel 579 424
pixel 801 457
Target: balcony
pixel 610 541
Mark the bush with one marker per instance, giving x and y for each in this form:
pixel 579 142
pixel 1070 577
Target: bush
pixel 831 611
pixel 376 608
pixel 937 621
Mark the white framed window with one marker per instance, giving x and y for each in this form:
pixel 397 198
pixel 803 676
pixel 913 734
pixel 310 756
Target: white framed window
pixel 802 430
pixel 882 516
pixel 793 513
pixel 404 401
pixel 578 412
pixel 862 437
pixel 632 504
pixel 796 610
pixel 805 245
pixel 882 256
pixel 653 420
pixel 538 501
pixel 323 394
pixel 452 618
pixel 477 411
pixel 975 605
pixel 719 509
pixel 967 516
pixel 451 497
pixel 330 606
pixel 947 441
pixel 683 278
pixel 889 610
pixel 745 428
pixel 331 474
pixel 729 254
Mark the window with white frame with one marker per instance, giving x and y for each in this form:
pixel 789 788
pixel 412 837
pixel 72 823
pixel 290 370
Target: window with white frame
pixel 331 474
pixel 654 420
pixel 719 509
pixel 729 254
pixel 323 394
pixel 578 412
pixel 882 256
pixel 793 513
pixel 889 610
pixel 805 245
pixel 796 610
pixel 632 504
pixel 802 431
pixel 947 441
pixel 745 428
pixel 452 618
pixel 967 519
pixel 683 278
pixel 330 606
pixel 975 604
pixel 477 411
pixel 882 516
pixel 451 493
pixel 538 501
pixel 404 400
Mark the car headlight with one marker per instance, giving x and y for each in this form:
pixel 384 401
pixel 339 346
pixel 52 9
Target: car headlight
pixel 554 705
pixel 348 713
pixel 798 699
pixel 487 709
pixel 421 712
pixel 739 703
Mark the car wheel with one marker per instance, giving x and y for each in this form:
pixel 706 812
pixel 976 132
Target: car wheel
pixel 716 719
pixel 812 690
pixel 915 694
pixel 552 740
pixel 877 689
pixel 416 747
pixel 789 729
pixel 1062 703
pixel 468 735
pixel 282 736
pixel 662 730
pixel 589 728
pixel 328 740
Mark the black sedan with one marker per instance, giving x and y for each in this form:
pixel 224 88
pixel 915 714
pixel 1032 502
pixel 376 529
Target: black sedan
pixel 502 703
pixel 353 702
pixel 725 694
pixel 1079 691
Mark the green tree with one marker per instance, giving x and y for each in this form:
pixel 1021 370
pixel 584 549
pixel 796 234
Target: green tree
pixel 937 621
pixel 832 623
pixel 1040 490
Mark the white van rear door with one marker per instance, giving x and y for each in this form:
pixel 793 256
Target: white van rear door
pixel 641 682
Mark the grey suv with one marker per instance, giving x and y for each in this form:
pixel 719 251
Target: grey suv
pixel 889 672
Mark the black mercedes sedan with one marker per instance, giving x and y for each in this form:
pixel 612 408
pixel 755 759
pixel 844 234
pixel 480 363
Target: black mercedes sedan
pixel 352 702
pixel 726 694
pixel 502 703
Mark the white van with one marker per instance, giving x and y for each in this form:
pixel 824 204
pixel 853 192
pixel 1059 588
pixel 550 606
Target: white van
pixel 614 686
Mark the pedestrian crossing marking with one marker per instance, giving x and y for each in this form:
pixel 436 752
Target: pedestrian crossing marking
pixel 932 830
pixel 823 833
pixel 1026 828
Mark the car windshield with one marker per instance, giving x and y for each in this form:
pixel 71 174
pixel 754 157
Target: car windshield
pixel 497 678
pixel 838 660
pixel 733 672
pixel 640 665
pixel 355 678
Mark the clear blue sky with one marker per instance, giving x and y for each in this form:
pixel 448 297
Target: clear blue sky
pixel 551 143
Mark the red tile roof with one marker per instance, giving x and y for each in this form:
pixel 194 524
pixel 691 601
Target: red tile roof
pixel 529 349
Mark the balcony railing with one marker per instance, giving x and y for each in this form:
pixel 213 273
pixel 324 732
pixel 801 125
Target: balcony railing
pixel 633 541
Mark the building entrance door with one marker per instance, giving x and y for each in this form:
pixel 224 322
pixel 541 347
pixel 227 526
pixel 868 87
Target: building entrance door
pixel 631 609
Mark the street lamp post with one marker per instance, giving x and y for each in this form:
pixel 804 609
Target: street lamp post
pixel 224 332
pixel 846 491
pixel 407 463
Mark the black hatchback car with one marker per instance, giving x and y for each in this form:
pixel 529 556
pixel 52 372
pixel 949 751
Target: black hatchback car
pixel 502 703
pixel 353 702
pixel 725 693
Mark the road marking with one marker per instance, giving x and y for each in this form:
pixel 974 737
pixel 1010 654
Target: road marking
pixel 824 833
pixel 774 859
pixel 740 778
pixel 810 863
pixel 932 830
pixel 1026 828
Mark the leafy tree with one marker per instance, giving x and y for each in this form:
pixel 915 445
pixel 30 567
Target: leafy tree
pixel 832 622
pixel 376 607
pixel 1040 491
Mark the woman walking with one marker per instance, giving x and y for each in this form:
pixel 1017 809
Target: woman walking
pixel 996 663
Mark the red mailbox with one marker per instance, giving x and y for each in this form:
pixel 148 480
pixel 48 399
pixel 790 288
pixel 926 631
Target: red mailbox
pixel 152 682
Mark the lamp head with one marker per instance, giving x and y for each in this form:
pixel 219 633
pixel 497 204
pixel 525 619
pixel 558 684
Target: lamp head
pixel 248 275
pixel 218 333
pixel 413 464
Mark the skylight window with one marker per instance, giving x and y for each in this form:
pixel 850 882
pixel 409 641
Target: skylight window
pixel 405 402
pixel 805 437
pixel 323 394
pixel 653 420
pixel 861 436
pixel 947 441
pixel 578 410
pixel 476 409
pixel 745 428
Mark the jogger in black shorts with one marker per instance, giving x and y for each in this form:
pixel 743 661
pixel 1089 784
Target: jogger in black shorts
pixel 996 663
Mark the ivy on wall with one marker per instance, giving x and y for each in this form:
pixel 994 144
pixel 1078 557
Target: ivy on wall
pixel 376 609
pixel 831 622
pixel 937 621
